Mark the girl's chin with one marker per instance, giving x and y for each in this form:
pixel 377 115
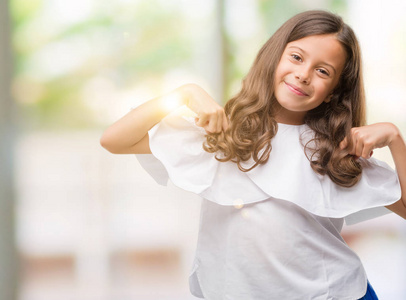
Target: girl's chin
pixel 292 108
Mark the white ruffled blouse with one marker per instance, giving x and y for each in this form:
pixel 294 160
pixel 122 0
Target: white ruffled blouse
pixel 272 232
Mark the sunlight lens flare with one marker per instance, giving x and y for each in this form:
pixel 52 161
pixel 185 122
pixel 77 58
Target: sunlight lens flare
pixel 173 101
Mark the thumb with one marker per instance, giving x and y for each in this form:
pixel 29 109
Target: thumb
pixel 344 143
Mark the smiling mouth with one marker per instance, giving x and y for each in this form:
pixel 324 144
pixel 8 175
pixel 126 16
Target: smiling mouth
pixel 295 89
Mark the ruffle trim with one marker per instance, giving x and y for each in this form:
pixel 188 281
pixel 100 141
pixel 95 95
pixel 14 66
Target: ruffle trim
pixel 176 145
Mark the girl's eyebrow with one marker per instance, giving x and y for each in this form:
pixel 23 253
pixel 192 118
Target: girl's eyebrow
pixel 324 63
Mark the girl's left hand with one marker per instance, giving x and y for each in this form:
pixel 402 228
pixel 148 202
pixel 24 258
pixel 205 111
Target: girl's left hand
pixel 366 138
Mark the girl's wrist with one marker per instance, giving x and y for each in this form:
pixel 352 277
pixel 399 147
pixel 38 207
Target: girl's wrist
pixel 395 135
pixel 173 100
pixel 190 92
pixel 187 92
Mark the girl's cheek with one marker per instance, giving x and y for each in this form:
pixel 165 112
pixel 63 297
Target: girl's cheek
pixel 280 71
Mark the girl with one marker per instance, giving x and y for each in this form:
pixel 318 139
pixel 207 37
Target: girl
pixel 279 168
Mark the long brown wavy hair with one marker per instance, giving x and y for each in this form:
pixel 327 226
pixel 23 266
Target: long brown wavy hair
pixel 252 110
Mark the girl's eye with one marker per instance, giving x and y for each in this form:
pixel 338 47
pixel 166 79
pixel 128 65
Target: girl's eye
pixel 324 72
pixel 296 57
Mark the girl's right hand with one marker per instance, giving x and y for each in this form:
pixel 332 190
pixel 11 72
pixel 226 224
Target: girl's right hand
pixel 130 133
pixel 210 115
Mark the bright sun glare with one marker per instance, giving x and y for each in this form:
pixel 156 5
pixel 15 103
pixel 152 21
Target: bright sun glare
pixel 172 101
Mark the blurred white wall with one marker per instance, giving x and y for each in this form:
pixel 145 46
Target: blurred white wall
pixel 77 200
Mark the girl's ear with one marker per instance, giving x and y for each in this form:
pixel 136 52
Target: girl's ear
pixel 328 98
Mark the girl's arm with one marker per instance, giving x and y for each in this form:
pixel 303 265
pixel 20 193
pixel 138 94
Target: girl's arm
pixel 366 138
pixel 129 135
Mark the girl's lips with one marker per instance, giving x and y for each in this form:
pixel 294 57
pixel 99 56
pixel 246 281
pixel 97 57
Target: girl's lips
pixel 295 89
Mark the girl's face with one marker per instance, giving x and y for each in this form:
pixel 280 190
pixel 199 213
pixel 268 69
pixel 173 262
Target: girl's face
pixel 306 75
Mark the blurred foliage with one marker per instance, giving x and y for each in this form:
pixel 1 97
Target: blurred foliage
pixel 276 12
pixel 55 60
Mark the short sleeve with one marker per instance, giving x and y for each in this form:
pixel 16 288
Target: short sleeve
pixel 381 183
pixel 154 168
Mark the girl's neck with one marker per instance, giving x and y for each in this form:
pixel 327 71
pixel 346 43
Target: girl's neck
pixel 290 118
pixel 284 116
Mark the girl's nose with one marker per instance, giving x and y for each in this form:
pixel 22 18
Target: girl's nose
pixel 303 75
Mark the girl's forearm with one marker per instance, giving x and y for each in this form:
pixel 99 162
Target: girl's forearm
pixel 132 128
pixel 397 147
